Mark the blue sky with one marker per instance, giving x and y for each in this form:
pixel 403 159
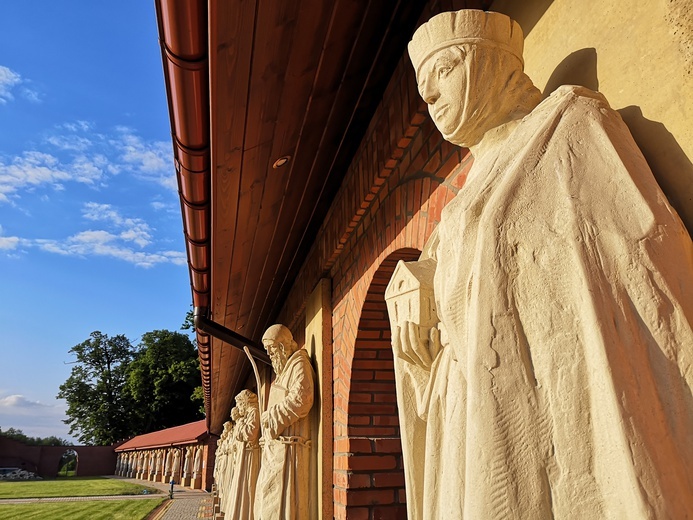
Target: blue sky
pixel 90 227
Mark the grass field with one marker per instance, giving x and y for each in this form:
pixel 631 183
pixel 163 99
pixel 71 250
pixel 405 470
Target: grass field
pixel 69 487
pixel 87 510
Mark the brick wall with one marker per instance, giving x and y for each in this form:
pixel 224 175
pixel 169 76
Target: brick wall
pixel 44 460
pixel 369 483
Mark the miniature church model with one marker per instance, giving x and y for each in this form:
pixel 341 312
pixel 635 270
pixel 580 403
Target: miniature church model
pixel 409 295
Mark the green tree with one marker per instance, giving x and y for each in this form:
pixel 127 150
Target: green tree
pixel 98 410
pixel 198 395
pixel 161 381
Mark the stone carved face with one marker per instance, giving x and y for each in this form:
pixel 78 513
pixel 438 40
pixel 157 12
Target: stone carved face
pixel 472 88
pixel 277 354
pixel 442 84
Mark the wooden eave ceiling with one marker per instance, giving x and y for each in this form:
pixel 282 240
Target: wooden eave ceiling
pixel 299 78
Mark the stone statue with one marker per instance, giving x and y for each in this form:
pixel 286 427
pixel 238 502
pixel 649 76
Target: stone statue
pixel 176 464
pixel 221 459
pixel 159 462
pixel 283 484
pixel 245 454
pixel 556 378
pixel 168 459
pixel 133 465
pixel 152 464
pixel 144 460
pixel 198 462
pixel 187 465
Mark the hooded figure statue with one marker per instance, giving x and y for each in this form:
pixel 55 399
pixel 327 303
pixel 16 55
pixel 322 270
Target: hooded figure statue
pixel 557 382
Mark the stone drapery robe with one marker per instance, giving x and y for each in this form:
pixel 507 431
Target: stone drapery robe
pixel 187 466
pixel 564 282
pixel 282 491
pixel 243 466
pixel 223 463
pixel 197 467
pixel 144 463
pixel 176 464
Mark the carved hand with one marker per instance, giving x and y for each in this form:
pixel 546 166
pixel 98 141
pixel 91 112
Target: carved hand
pixel 267 430
pixel 416 344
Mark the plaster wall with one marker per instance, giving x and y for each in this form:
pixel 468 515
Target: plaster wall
pixel 639 55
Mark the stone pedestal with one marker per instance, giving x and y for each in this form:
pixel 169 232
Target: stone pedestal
pixel 165 478
pixel 196 482
pixel 186 480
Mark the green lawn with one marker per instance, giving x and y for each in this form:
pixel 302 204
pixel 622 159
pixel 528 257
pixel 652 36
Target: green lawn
pixel 87 510
pixel 70 487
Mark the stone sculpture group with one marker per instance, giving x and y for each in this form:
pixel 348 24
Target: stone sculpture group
pixel 163 465
pixel 554 378
pixel 262 463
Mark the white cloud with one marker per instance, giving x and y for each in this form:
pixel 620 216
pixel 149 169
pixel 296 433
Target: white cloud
pixel 150 160
pixel 77 126
pixel 33 169
pixel 133 229
pixel 8 80
pixel 115 242
pixel 102 243
pixel 19 402
pixel 31 95
pixel 11 80
pixel 74 152
pixel 9 243
pixel 71 143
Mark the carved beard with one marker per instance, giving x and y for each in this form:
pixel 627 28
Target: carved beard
pixel 278 361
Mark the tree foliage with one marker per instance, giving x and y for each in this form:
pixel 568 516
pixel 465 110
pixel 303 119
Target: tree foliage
pixel 116 391
pixel 97 408
pixel 18 435
pixel 162 379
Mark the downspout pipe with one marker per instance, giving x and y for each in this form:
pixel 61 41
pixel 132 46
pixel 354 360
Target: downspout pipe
pixel 207 326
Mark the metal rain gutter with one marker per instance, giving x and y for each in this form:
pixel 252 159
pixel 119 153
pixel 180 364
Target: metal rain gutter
pixel 183 40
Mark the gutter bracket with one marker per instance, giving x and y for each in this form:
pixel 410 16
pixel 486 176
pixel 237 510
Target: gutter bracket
pixel 236 340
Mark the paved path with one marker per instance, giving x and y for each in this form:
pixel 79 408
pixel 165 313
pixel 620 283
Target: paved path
pixel 187 509
pixel 187 504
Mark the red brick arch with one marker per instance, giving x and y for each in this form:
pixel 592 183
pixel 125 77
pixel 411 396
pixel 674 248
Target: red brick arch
pixel 374 480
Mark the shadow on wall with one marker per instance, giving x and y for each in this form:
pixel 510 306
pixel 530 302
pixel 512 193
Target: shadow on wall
pixel 669 163
pixel 578 68
pixel 527 12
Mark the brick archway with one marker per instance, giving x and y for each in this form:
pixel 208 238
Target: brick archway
pixel 375 482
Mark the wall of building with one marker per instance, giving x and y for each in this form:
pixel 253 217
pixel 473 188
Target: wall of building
pixel 639 55
pixel 44 460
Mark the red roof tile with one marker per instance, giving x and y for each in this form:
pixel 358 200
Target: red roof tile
pixel 185 434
